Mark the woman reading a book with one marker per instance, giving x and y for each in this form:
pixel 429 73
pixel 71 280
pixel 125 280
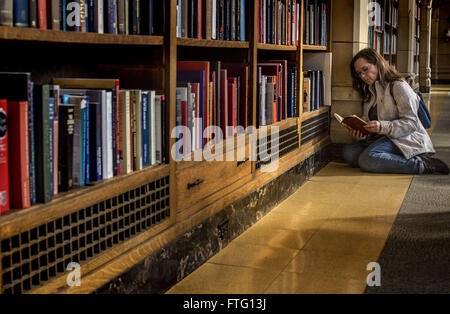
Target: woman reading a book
pixel 395 140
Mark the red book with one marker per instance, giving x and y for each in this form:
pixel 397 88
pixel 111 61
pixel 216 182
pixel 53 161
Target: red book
pixel 19 180
pixel 241 71
pixel 42 14
pixel 4 175
pixel 223 101
pixel 232 104
pixel 198 7
pixel 184 114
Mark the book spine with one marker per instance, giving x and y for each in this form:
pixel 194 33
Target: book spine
pixel 114 137
pixel 158 125
pixel 21 13
pixel 87 170
pixel 83 15
pixel 111 16
pixel 42 153
pixel 77 161
pixel 55 139
pixel 32 14
pixel 42 14
pixel 31 143
pixel 99 17
pixel 51 120
pixel 6 13
pixel 62 12
pixel 125 145
pixel 121 16
pixel 4 158
pixel 108 133
pixel 152 121
pixel 18 151
pixel 105 122
pixel 98 148
pixel 165 154
pixel 145 136
pixel 53 21
pixel 117 133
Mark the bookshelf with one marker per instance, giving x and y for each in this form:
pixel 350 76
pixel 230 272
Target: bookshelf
pixel 96 225
pixel 383 34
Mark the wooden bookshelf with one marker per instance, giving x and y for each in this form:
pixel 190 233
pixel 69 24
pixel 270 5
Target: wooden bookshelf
pixel 383 35
pixel 97 225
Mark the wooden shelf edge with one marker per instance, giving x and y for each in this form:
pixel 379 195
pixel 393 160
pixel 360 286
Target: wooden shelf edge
pixel 261 46
pixel 194 42
pixel 18 220
pixel 315 48
pixel 19 34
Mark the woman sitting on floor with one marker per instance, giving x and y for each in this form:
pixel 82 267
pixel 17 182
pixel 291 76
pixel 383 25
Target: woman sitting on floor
pixel 398 142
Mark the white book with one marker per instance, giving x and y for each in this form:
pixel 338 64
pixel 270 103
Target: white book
pixel 98 8
pixel 125 142
pixel 107 137
pixel 213 23
pixel 152 126
pixel 158 129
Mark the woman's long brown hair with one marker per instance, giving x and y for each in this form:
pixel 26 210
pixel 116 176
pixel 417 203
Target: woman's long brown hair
pixel 386 73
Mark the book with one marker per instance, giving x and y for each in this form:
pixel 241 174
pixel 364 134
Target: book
pixel 19 87
pixel 124 142
pixel 21 13
pixel 6 13
pixel 353 122
pixel 19 178
pixel 4 172
pixel 42 150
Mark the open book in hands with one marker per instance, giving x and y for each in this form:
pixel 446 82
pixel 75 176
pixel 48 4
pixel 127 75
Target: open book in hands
pixel 353 122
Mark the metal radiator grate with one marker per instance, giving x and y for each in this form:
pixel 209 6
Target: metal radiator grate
pixel 314 127
pixel 37 255
pixel 267 151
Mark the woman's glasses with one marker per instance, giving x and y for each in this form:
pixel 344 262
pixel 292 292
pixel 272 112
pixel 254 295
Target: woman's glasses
pixel 364 69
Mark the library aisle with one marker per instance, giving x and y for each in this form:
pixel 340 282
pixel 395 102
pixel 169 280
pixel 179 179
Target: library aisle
pixel 319 240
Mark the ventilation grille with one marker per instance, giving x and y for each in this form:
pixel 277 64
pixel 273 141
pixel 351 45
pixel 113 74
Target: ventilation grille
pixel 314 127
pixel 267 148
pixel 37 255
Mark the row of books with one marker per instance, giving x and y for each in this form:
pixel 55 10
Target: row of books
pixel 277 94
pixel 140 17
pixel 210 94
pixel 375 40
pixel 73 133
pixel 313 90
pixel 315 22
pixel 212 19
pixel 390 12
pixel 278 21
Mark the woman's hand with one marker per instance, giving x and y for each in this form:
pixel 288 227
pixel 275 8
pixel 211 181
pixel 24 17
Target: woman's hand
pixel 357 134
pixel 373 126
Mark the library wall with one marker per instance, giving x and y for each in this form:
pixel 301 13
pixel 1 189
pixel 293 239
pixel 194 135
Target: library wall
pixel 405 36
pixel 440 50
pixel 348 39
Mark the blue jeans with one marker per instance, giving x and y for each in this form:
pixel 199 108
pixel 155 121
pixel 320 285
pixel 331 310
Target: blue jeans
pixel 380 155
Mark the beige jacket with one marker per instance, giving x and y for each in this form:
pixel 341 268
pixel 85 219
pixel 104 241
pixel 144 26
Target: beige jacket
pixel 399 120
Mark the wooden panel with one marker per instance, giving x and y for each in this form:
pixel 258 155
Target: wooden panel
pixel 198 182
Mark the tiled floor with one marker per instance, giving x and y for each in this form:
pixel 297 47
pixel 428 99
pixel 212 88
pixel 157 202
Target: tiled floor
pixel 319 240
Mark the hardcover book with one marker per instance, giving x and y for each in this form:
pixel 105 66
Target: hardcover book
pixel 353 122
pixel 18 151
pixel 4 177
